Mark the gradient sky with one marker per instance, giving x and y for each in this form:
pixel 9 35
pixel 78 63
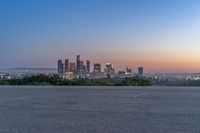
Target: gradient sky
pixel 160 35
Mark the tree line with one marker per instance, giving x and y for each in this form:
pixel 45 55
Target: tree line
pixel 57 80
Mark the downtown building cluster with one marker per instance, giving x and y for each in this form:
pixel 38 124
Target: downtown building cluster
pixel 79 69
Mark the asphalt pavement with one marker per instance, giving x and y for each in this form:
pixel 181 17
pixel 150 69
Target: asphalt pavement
pixel 31 109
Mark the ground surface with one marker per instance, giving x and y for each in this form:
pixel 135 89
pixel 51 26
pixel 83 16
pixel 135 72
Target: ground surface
pixel 99 110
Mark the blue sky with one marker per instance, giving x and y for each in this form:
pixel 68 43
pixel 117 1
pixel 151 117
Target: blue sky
pixel 161 35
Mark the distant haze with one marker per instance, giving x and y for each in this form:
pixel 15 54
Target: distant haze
pixel 160 35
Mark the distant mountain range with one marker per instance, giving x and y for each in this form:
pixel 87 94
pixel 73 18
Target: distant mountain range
pixel 29 69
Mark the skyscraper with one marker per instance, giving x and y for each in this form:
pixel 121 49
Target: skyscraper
pixel 109 71
pixel 97 71
pixel 60 67
pixel 97 68
pixel 87 66
pixel 71 67
pixel 81 65
pixel 128 70
pixel 140 71
pixel 78 61
pixel 82 71
pixel 66 65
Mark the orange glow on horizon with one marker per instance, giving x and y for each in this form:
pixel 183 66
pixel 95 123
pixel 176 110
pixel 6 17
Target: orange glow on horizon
pixel 155 62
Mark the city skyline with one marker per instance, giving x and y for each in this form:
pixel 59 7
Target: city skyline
pixel 78 61
pixel 81 69
pixel 162 36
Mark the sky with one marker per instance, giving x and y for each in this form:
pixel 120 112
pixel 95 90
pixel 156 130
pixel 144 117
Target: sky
pixel 160 35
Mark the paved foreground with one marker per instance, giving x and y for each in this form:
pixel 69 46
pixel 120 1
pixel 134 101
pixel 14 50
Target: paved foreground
pixel 99 110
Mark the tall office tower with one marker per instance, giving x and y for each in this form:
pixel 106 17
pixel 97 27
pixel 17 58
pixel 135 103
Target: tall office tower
pixel 87 66
pixel 109 71
pixel 60 67
pixel 97 68
pixel 128 70
pixel 84 69
pixel 81 65
pixel 140 71
pixel 72 67
pixel 66 65
pixel 81 68
pixel 78 60
pixel 82 72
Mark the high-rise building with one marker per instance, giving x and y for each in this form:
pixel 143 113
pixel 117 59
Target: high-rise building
pixel 66 65
pixel 128 70
pixel 140 71
pixel 109 71
pixel 82 71
pixel 60 67
pixel 81 65
pixel 87 66
pixel 97 71
pixel 97 68
pixel 72 67
pixel 78 61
